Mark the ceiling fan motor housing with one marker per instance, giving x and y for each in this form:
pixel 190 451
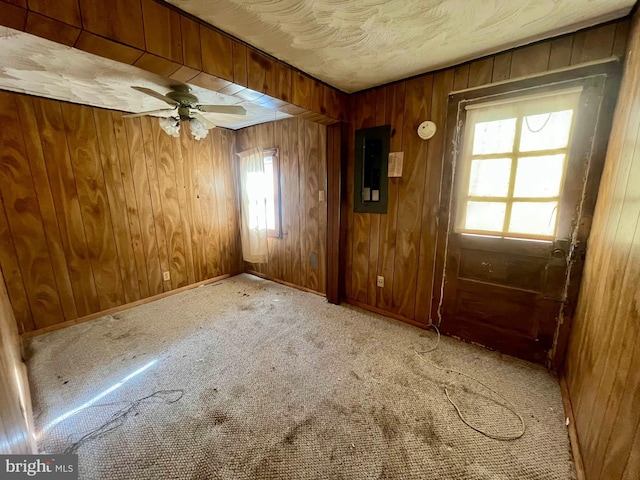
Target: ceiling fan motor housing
pixel 182 95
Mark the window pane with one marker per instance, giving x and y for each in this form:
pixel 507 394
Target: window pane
pixel 494 137
pixel 546 131
pixel 490 178
pixel 269 193
pixel 485 216
pixel 539 176
pixel 538 218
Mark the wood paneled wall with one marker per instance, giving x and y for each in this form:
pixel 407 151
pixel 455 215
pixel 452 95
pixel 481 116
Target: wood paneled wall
pixel 603 361
pixel 406 245
pixel 16 422
pixel 94 208
pixel 159 38
pixel 302 148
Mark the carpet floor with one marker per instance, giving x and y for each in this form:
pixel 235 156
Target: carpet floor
pixel 249 379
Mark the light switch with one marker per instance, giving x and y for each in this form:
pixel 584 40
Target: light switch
pixel 321 196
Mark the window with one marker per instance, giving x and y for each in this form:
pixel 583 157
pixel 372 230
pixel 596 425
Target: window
pixel 272 192
pixel 514 161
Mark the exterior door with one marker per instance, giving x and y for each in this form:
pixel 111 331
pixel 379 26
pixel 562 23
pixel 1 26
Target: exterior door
pixel 523 169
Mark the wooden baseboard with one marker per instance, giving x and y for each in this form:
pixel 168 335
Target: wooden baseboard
pixel 573 433
pixel 120 308
pixel 282 282
pixel 385 313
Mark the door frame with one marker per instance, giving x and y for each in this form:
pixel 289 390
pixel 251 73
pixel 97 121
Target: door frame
pixel 594 155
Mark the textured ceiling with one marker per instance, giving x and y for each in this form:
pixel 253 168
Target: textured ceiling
pixel 357 44
pixel 33 65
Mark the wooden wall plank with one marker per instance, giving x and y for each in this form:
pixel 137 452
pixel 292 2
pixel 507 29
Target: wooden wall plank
pixel 284 82
pixel 310 233
pixel 81 133
pixel 149 143
pixel 65 197
pixel 301 90
pixel 121 20
pixel 240 76
pixel 166 170
pixel 292 184
pixel 24 218
pixel 592 44
pixel 13 275
pixel 375 219
pixel 131 206
pixel 51 29
pixel 365 112
pixel 394 116
pixel 47 208
pixel 442 84
pixel 190 206
pixel 13 16
pixel 461 77
pixel 117 204
pixel 217 54
pixel 231 179
pixel 191 50
pixel 220 164
pixel 107 48
pixel 501 67
pixel 142 188
pixel 529 60
pixel 162 30
pixel 560 53
pixel 481 72
pixel 417 108
pixel 322 208
pixel 67 11
pixel 262 74
pixel 17 434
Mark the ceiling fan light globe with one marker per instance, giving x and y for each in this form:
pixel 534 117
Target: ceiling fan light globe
pixel 170 125
pixel 198 130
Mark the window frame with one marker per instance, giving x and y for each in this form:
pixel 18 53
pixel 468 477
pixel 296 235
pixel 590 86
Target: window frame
pixel 466 157
pixel 460 193
pixel 277 197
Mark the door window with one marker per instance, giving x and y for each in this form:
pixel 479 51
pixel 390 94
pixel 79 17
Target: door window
pixel 514 159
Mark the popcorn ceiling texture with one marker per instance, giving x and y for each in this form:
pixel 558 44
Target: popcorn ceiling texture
pixel 36 66
pixel 357 44
pixel 280 384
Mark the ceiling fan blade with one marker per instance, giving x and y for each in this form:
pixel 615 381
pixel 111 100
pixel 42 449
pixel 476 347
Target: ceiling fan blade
pixel 229 109
pixel 152 112
pixel 205 121
pixel 157 95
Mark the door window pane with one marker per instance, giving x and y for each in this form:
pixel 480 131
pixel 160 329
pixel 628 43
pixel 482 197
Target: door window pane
pixel 539 176
pixel 494 137
pixel 535 218
pixel 487 216
pixel 545 131
pixel 490 178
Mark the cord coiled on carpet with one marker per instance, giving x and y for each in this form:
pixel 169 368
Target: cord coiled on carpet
pixel 510 405
pixel 118 418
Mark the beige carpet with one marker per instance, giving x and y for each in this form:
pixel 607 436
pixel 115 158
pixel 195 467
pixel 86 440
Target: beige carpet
pixel 280 384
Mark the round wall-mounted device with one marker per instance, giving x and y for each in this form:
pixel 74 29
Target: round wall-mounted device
pixel 426 130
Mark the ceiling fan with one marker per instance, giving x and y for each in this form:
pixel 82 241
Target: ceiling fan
pixel 185 107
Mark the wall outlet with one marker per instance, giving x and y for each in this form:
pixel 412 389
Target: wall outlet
pixel 166 276
pixel 380 281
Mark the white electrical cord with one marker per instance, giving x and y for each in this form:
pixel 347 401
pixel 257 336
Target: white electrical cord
pixel 510 405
